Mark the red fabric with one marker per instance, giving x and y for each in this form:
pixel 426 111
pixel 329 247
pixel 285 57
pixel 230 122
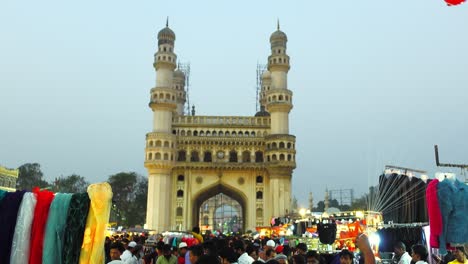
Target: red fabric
pixel 279 249
pixel 433 211
pixel 181 260
pixel 454 2
pixel 41 212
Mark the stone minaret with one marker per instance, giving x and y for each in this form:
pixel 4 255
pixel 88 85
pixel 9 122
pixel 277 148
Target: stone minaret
pixel 160 144
pixel 280 145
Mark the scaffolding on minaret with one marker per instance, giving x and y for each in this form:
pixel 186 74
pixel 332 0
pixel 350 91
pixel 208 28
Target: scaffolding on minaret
pixel 185 68
pixel 261 68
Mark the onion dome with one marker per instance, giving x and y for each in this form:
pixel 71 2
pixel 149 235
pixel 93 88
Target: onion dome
pixel 166 35
pixel 266 75
pixel 262 112
pixel 278 38
pixel 179 74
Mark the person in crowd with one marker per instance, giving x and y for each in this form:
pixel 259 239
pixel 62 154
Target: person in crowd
pixel 298 259
pixel 282 259
pixel 135 251
pixel 239 248
pixel 228 256
pixel 419 254
pixel 195 252
pixel 196 234
pixel 208 259
pixel 115 250
pixel 128 251
pixel 346 257
pixel 460 256
pixel 167 256
pixel 252 250
pixel 182 253
pixel 302 250
pixel 270 254
pixel 312 257
pixel 401 256
pixel 209 248
pixel 362 242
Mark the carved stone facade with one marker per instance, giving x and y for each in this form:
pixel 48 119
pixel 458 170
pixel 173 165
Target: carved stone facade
pixel 192 158
pixel 8 178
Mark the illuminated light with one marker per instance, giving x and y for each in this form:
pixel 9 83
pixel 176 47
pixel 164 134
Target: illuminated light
pixel 374 239
pixel 302 212
pixel 360 214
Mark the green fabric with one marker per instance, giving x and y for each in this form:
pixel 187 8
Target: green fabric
pixel 55 227
pixel 2 194
pixel 75 227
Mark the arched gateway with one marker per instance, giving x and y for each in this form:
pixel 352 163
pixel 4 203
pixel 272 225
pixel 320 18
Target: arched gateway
pixel 225 173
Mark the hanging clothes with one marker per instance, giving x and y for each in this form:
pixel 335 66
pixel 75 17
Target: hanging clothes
pixel 21 242
pixel 409 235
pixel 92 250
pixel 41 212
pixel 2 194
pixel 453 202
pixel 54 232
pixel 8 214
pixel 434 214
pixel 327 233
pixel 401 198
pixel 75 227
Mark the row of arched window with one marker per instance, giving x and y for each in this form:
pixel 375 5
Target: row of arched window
pixel 220 133
pixel 159 156
pixel 280 144
pixel 163 96
pixel 208 156
pixel 279 60
pixel 169 58
pixel 165 48
pixel 159 143
pixel 279 98
pixel 280 157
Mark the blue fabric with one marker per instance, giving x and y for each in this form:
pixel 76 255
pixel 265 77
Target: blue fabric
pixel 453 202
pixel 2 194
pixel 55 228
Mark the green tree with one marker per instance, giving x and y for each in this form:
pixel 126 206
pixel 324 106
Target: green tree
pixel 137 213
pixel 124 185
pixel 71 184
pixel 30 175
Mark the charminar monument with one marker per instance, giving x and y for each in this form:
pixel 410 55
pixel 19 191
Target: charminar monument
pixel 228 173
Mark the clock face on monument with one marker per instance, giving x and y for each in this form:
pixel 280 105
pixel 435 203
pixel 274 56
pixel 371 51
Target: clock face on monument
pixel 220 154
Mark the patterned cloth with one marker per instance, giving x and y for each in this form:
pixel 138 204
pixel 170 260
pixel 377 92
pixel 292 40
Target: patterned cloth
pixel 75 226
pixel 92 250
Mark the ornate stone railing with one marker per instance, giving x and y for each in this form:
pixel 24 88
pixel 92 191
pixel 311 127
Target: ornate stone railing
pixel 233 121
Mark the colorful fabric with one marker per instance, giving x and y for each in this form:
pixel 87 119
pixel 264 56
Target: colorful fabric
pixel 453 202
pixel 92 249
pixel 8 215
pixel 75 227
pixel 41 212
pixel 21 243
pixel 55 228
pixel 433 210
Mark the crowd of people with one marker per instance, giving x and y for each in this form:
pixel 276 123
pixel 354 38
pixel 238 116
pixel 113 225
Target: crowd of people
pixel 241 250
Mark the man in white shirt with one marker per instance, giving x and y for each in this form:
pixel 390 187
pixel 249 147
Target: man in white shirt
pixel 127 253
pixel 401 256
pixel 239 247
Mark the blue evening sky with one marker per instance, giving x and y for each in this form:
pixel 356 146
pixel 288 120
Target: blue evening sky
pixel 374 82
